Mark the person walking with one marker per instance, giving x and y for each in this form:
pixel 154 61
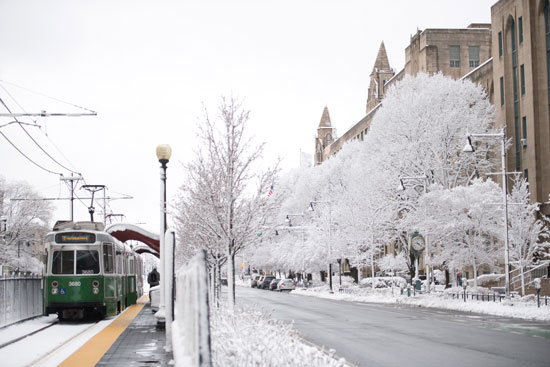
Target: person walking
pixel 153 279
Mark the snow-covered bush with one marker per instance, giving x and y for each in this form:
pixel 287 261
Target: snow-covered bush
pixel 247 338
pixel 347 281
pixel 486 278
pixel 383 282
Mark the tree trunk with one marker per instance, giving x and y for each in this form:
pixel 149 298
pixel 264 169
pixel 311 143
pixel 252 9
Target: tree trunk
pixel 230 278
pixel 475 275
pixel 213 285
pixel 218 280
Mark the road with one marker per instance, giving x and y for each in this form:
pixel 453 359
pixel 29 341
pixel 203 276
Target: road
pixel 390 335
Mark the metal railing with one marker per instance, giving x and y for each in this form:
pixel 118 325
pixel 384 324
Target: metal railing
pixel 491 297
pixel 529 275
pixel 20 297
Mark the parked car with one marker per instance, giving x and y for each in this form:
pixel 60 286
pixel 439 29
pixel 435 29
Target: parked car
pixel 254 280
pixel 286 285
pixel 273 284
pixel 264 282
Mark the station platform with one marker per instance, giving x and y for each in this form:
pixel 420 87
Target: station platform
pixel 131 340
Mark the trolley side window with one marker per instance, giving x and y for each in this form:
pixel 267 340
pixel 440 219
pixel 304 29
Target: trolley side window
pixel 131 265
pixel 63 262
pixel 108 264
pixel 87 262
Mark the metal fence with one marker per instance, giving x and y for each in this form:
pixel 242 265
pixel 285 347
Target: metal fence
pixel 493 297
pixel 20 297
pixel 191 330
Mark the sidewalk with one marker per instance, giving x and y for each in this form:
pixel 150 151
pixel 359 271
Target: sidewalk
pixel 141 344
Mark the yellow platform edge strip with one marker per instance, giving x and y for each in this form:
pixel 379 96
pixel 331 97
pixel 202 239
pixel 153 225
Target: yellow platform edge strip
pixel 90 353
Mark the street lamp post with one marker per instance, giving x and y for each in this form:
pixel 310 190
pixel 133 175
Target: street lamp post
pixel 329 237
pixel 163 154
pixel 288 220
pixel 468 148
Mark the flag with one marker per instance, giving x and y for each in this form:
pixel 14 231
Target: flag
pixel 270 191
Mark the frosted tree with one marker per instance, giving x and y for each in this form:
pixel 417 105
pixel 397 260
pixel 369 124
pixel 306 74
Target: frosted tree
pixel 26 220
pixel 419 132
pixel 393 263
pixel 469 217
pixel 421 128
pixel 226 186
pixel 527 232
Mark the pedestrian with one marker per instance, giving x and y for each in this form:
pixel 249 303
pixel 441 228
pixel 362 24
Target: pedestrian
pixel 153 279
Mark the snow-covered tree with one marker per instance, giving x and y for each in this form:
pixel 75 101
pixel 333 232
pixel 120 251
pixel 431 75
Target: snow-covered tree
pixel 466 218
pixel 392 263
pixel 228 193
pixel 527 233
pixel 418 132
pixel 26 221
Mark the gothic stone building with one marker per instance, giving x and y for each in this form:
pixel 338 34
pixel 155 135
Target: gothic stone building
pixel 510 58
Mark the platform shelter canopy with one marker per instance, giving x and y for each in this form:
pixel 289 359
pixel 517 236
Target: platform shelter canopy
pixel 125 232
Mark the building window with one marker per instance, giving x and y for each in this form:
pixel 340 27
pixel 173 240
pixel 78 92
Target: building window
pixel 454 56
pixel 524 126
pixel 474 56
pixel 499 44
pixel 522 79
pixel 502 91
pixel 526 175
pixel 520 26
pixel 362 136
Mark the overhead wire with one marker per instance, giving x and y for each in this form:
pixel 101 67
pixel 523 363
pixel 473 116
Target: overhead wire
pixel 43 131
pixel 24 155
pixel 30 136
pixel 45 95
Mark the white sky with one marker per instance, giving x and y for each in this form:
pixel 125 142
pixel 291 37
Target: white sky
pixel 146 67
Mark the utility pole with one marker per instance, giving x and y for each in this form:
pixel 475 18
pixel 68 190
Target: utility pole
pixel 71 179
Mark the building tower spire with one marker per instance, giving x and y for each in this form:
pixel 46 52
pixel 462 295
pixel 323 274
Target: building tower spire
pixel 381 73
pixel 325 135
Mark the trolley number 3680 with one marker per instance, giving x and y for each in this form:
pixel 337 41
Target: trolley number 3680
pixel 74 284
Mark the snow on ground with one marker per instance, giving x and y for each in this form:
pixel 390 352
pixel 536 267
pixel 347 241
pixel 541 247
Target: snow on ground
pixel 249 338
pixel 517 307
pixel 57 342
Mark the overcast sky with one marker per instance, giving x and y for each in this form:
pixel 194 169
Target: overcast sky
pixel 147 67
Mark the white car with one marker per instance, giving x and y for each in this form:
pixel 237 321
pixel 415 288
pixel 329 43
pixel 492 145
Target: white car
pixel 286 285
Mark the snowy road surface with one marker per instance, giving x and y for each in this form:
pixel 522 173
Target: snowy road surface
pixel 388 335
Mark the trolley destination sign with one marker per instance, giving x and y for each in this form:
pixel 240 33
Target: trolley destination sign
pixel 75 237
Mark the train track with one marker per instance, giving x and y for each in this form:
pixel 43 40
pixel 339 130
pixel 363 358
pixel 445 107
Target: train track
pixel 57 343
pixel 10 342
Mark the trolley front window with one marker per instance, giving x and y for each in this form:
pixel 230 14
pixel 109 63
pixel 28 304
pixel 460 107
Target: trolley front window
pixel 87 262
pixel 63 262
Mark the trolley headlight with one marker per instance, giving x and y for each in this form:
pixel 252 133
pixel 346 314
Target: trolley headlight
pixel 54 287
pixel 95 285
